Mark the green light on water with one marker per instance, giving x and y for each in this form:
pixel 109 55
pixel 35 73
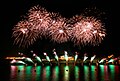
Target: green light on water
pixel 47 72
pixel 38 73
pixel 86 73
pixel 93 73
pixel 102 71
pixel 112 68
pixel 55 73
pixel 57 70
pixel 38 70
pixel 28 70
pixel 76 73
pixel 21 67
pixel 112 72
pixel 21 73
pixel 66 73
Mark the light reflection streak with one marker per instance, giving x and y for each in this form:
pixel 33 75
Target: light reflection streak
pixel 117 72
pixel 21 74
pixel 13 72
pixel 55 73
pixel 28 72
pixel 104 72
pixel 94 72
pixel 38 73
pixel 112 72
pixel 86 73
pixel 66 73
pixel 76 73
pixel 46 73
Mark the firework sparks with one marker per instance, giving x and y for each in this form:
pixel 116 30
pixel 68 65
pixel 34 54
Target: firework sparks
pixel 88 30
pixel 41 19
pixel 26 32
pixel 23 33
pixel 81 30
pixel 58 30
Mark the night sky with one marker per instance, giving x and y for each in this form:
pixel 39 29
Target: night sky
pixel 12 12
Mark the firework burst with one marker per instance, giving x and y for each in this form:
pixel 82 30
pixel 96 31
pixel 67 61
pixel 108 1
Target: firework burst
pixel 80 29
pixel 40 18
pixel 88 30
pixel 58 30
pixel 23 33
pixel 36 25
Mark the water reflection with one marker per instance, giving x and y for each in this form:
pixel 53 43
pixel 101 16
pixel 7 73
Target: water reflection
pixel 86 73
pixel 21 73
pixel 46 73
pixel 94 73
pixel 13 74
pixel 114 72
pixel 55 73
pixel 109 73
pixel 76 73
pixel 117 73
pixel 38 73
pixel 29 73
pixel 65 73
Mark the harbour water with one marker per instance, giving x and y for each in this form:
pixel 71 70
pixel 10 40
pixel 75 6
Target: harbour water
pixel 62 72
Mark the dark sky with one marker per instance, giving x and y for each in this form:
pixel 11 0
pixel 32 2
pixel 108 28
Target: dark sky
pixel 12 12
